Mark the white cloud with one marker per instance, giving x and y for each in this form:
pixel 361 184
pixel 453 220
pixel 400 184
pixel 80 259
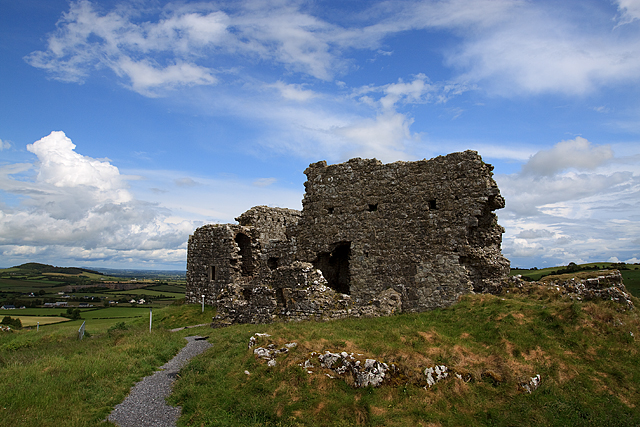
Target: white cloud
pixel 553 216
pixel 87 39
pixel 509 45
pixel 4 145
pixel 294 92
pixel 577 154
pixel 533 234
pixel 146 76
pixel 385 137
pixel 535 49
pixel 629 10
pixel 76 203
pixel 60 166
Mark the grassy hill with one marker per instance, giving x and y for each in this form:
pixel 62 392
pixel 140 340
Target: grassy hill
pixel 586 354
pixel 37 268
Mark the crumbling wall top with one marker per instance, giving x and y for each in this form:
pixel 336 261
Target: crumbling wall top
pixel 271 222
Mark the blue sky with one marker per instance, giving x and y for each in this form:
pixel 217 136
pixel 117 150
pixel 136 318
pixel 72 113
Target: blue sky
pixel 126 125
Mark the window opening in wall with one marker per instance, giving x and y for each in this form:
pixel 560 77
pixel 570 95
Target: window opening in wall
pixel 212 272
pixel 335 267
pixel 330 211
pixel 280 298
pixel 432 204
pixel 244 243
pixel 373 208
pixel 272 263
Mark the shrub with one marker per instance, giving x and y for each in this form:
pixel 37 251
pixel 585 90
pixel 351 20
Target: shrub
pixel 14 323
pixel 72 313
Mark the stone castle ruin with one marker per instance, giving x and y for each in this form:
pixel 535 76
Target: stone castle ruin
pixel 372 239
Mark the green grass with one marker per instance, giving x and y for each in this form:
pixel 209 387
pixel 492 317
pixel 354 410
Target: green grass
pixel 49 378
pixel 631 280
pixel 168 288
pixel 583 351
pixel 116 312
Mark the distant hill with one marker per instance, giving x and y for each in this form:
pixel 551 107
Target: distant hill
pixel 35 267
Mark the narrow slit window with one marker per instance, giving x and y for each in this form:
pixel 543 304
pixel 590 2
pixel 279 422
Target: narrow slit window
pixel 212 272
pixel 432 204
pixel 330 211
pixel 372 207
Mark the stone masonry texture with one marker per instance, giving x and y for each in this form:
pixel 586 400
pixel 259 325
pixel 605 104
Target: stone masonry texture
pixel 372 239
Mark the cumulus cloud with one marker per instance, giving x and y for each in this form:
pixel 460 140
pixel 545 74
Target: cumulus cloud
pixel 59 165
pixel 4 145
pixel 76 203
pixel 577 153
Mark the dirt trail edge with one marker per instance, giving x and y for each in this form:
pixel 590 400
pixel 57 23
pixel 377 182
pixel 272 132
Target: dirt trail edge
pixel 145 405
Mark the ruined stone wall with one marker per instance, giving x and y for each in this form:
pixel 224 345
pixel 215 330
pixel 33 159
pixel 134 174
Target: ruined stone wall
pixel 245 254
pixel 372 239
pixel 426 229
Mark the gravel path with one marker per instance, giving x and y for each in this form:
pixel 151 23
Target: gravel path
pixel 145 405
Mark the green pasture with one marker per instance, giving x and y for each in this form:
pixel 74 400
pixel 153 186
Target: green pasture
pixel 631 280
pixel 178 289
pixel 26 286
pixel 116 313
pixel 88 313
pixel 97 321
pixel 147 291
